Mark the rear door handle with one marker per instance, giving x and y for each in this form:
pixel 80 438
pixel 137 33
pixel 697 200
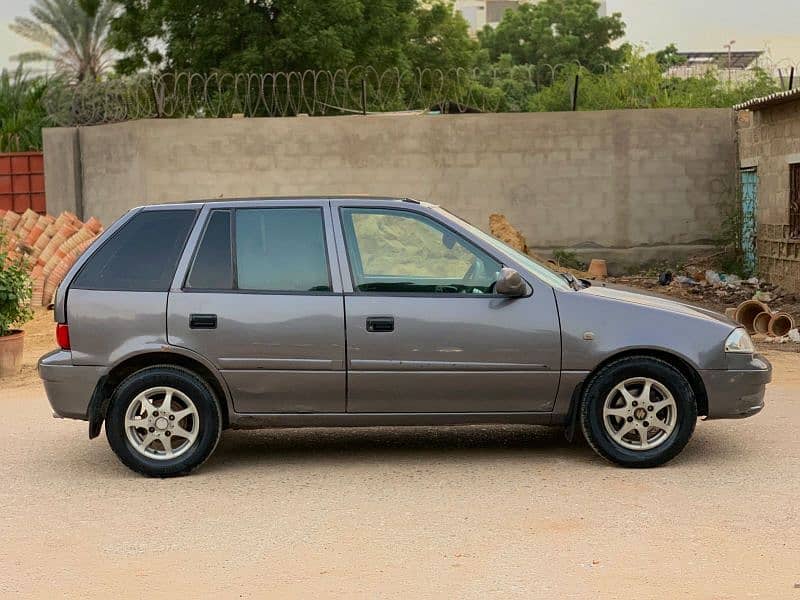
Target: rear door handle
pixel 380 324
pixel 202 321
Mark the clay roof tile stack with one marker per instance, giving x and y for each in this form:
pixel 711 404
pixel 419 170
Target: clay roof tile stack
pixel 52 245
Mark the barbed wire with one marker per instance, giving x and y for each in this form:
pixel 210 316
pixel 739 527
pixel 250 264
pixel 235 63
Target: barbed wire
pixel 359 90
pixel 343 91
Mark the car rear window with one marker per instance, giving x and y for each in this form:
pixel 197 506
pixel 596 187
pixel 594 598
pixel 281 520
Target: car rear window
pixel 213 265
pixel 142 256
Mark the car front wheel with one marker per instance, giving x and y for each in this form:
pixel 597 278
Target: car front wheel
pixel 638 412
pixel 163 421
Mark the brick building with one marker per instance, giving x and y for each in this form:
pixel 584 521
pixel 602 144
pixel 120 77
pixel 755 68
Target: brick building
pixel 769 161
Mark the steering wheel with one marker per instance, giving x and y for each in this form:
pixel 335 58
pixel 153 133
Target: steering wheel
pixel 472 272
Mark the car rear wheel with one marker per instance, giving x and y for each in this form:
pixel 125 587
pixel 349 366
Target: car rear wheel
pixel 163 421
pixel 638 412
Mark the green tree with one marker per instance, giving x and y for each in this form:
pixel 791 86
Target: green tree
pixel 72 33
pixel 440 38
pixel 557 32
pixel 198 35
pixel 668 57
pixel 315 35
pixel 513 85
pixel 288 35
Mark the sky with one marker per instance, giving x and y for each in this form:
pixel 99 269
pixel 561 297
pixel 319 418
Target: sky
pixel 698 25
pixel 691 24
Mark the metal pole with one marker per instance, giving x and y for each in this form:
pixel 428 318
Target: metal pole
pixel 791 79
pixel 364 96
pixel 729 46
pixel 575 93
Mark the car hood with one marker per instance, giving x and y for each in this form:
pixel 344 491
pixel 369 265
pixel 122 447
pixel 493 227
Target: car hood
pixel 631 296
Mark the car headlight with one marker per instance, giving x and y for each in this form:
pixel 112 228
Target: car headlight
pixel 739 341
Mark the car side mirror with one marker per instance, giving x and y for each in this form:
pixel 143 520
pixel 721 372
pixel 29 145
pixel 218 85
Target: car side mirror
pixel 510 283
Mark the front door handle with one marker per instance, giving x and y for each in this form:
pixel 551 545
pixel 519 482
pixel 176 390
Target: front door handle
pixel 202 321
pixel 380 324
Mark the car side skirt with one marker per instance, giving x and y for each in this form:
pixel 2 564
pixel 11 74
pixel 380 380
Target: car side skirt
pixel 286 420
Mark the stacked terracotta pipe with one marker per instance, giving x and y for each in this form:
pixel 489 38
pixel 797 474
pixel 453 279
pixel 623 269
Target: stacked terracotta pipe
pixel 51 244
pixel 759 319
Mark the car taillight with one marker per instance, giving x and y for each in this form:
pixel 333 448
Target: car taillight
pixel 62 336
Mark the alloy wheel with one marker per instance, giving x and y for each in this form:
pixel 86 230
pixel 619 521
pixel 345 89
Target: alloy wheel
pixel 162 423
pixel 640 413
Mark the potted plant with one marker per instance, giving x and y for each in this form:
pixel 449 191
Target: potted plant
pixel 15 308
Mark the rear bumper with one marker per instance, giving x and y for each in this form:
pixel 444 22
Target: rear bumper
pixel 737 393
pixel 69 387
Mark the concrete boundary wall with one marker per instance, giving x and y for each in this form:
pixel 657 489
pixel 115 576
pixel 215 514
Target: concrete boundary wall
pixel 617 180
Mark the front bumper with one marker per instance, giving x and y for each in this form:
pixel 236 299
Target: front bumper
pixel 69 387
pixel 737 392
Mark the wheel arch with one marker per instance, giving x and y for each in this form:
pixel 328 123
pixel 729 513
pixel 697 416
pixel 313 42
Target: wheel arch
pixel 101 398
pixel 678 362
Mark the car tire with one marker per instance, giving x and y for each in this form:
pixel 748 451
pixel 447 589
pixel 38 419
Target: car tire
pixel 638 412
pixel 191 425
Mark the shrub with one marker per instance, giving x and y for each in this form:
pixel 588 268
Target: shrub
pixel 568 259
pixel 15 290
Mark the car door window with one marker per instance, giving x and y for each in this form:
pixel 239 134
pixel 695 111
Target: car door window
pixel 281 250
pixel 404 251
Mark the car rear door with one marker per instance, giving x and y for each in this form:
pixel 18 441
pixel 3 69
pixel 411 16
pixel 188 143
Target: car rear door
pixel 260 301
pixel 425 332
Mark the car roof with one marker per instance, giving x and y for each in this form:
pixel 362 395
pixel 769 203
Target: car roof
pixel 287 199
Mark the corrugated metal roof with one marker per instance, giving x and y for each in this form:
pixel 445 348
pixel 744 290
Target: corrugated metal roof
pixel 771 100
pixel 739 59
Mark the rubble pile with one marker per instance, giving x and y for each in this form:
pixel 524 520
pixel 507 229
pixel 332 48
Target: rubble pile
pixel 710 286
pixel 51 245
pixel 503 230
pixel 765 309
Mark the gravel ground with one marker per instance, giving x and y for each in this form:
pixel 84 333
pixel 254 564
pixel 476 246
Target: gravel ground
pixel 392 512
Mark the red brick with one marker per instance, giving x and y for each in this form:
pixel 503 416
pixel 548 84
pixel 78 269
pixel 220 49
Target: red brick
pixel 19 164
pixel 38 203
pixel 37 183
pixel 21 183
pixel 37 163
pixel 22 202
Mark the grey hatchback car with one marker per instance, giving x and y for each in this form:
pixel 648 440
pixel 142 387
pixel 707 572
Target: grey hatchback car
pixel 186 319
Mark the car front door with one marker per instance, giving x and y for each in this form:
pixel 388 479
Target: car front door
pixel 425 331
pixel 261 303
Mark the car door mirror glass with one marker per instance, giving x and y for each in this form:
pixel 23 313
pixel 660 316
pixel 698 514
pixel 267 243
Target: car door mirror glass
pixel 510 283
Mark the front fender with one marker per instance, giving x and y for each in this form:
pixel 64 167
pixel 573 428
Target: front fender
pixel 598 325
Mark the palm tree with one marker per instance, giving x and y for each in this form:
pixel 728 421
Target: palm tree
pixel 22 114
pixel 74 34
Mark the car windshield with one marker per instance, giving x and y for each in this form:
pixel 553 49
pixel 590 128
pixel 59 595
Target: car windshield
pixel 549 277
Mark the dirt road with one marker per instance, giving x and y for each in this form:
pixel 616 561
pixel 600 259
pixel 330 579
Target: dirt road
pixel 457 512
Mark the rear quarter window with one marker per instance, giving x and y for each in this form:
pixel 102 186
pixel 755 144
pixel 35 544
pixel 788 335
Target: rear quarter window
pixel 142 256
pixel 213 265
